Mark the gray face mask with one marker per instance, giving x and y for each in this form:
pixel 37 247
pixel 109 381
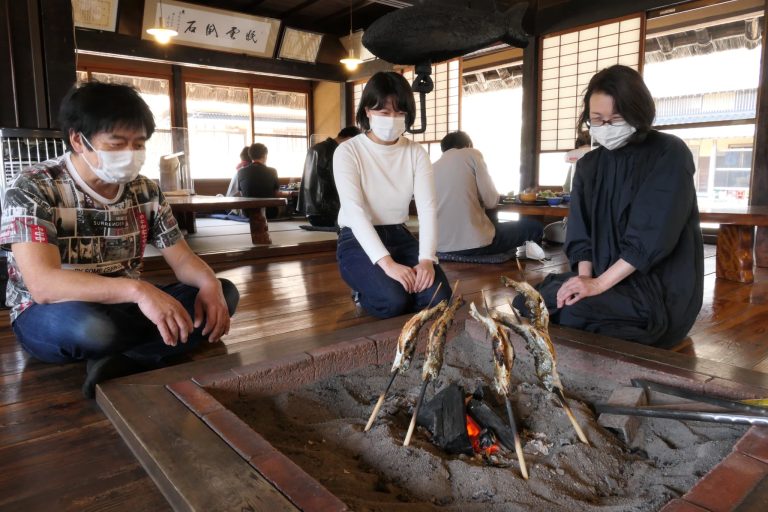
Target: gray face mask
pixel 612 136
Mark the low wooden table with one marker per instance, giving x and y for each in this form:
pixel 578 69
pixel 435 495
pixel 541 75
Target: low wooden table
pixel 185 207
pixel 735 241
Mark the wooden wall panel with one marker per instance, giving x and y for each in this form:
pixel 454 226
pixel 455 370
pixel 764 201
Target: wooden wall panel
pixel 37 61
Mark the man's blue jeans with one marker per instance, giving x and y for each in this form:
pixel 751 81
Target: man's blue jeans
pixel 380 295
pixel 75 330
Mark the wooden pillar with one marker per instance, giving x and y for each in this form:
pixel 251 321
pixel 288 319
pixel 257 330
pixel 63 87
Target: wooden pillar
pixel 37 61
pixel 529 156
pixel 759 189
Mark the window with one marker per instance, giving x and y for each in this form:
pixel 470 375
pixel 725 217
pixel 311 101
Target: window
pixel 219 124
pixel 498 90
pixel 569 60
pixel 702 67
pixel 280 123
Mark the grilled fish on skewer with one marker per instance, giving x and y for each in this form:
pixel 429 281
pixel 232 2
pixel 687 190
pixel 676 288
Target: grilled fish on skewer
pixel 408 337
pixel 544 358
pixel 436 344
pixel 503 359
pixel 538 343
pixel 533 301
pixel 503 353
pixel 406 342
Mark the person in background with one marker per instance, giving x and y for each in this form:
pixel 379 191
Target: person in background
pixel 634 236
pixel 258 180
pixel 377 173
pixel 245 159
pixel 318 197
pixel 581 147
pixel 555 232
pixel 76 229
pixel 465 192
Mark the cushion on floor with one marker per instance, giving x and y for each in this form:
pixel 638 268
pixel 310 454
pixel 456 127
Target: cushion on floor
pixel 475 258
pixel 225 216
pixel 330 229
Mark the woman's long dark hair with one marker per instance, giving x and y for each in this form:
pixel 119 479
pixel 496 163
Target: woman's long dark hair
pixel 631 97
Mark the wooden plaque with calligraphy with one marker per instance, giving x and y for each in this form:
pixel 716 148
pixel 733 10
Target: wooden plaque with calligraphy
pixel 214 29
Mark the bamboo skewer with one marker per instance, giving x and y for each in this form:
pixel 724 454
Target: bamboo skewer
pixel 518 445
pixel 412 426
pixel 383 395
pixel 379 403
pixel 568 412
pixel 520 268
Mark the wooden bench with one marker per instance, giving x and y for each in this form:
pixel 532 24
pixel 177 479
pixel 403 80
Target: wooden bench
pixel 185 207
pixel 735 241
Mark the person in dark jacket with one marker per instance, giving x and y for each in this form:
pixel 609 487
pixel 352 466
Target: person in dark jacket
pixel 258 180
pixel 318 198
pixel 634 238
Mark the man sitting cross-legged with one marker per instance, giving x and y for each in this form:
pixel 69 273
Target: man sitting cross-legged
pixel 77 228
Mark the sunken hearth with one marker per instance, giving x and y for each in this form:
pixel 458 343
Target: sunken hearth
pixel 299 421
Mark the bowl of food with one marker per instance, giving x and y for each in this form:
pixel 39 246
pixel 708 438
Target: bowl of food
pixel 566 198
pixel 554 201
pixel 528 197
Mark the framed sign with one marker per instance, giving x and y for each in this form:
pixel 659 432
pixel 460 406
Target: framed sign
pixel 300 45
pixel 97 14
pixel 215 29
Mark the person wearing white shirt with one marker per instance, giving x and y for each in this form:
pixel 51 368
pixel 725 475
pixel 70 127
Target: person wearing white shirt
pixel 465 193
pixel 377 173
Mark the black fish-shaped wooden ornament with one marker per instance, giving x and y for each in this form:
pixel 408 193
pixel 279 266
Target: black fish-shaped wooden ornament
pixel 435 31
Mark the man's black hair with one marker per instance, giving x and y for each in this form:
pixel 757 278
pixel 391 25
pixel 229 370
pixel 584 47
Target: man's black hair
pixel 257 151
pixel 348 132
pixel 245 155
pixel 95 107
pixel 455 140
pixel 381 86
pixel 631 98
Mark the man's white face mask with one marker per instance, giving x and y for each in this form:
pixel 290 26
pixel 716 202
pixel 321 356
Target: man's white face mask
pixel 387 128
pixel 612 136
pixel 116 166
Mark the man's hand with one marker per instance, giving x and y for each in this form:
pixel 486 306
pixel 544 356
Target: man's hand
pixel 425 275
pixel 170 317
pixel 576 288
pixel 211 305
pixel 404 275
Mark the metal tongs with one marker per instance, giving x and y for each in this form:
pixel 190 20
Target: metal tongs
pixel 732 412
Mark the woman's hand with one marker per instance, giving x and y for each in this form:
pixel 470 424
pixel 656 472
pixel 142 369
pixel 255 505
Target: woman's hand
pixel 404 275
pixel 576 288
pixel 584 285
pixel 425 275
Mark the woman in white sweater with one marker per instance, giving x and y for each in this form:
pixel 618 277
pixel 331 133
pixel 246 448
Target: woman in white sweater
pixel 377 173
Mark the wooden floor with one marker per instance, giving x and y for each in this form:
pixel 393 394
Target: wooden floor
pixel 59 452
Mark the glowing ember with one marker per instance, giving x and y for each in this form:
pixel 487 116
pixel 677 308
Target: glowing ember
pixel 482 439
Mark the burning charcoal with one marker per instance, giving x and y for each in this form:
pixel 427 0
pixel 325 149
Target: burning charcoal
pixel 445 418
pixel 485 416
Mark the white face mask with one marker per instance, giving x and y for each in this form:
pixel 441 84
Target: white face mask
pixel 387 128
pixel 116 166
pixel 612 136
